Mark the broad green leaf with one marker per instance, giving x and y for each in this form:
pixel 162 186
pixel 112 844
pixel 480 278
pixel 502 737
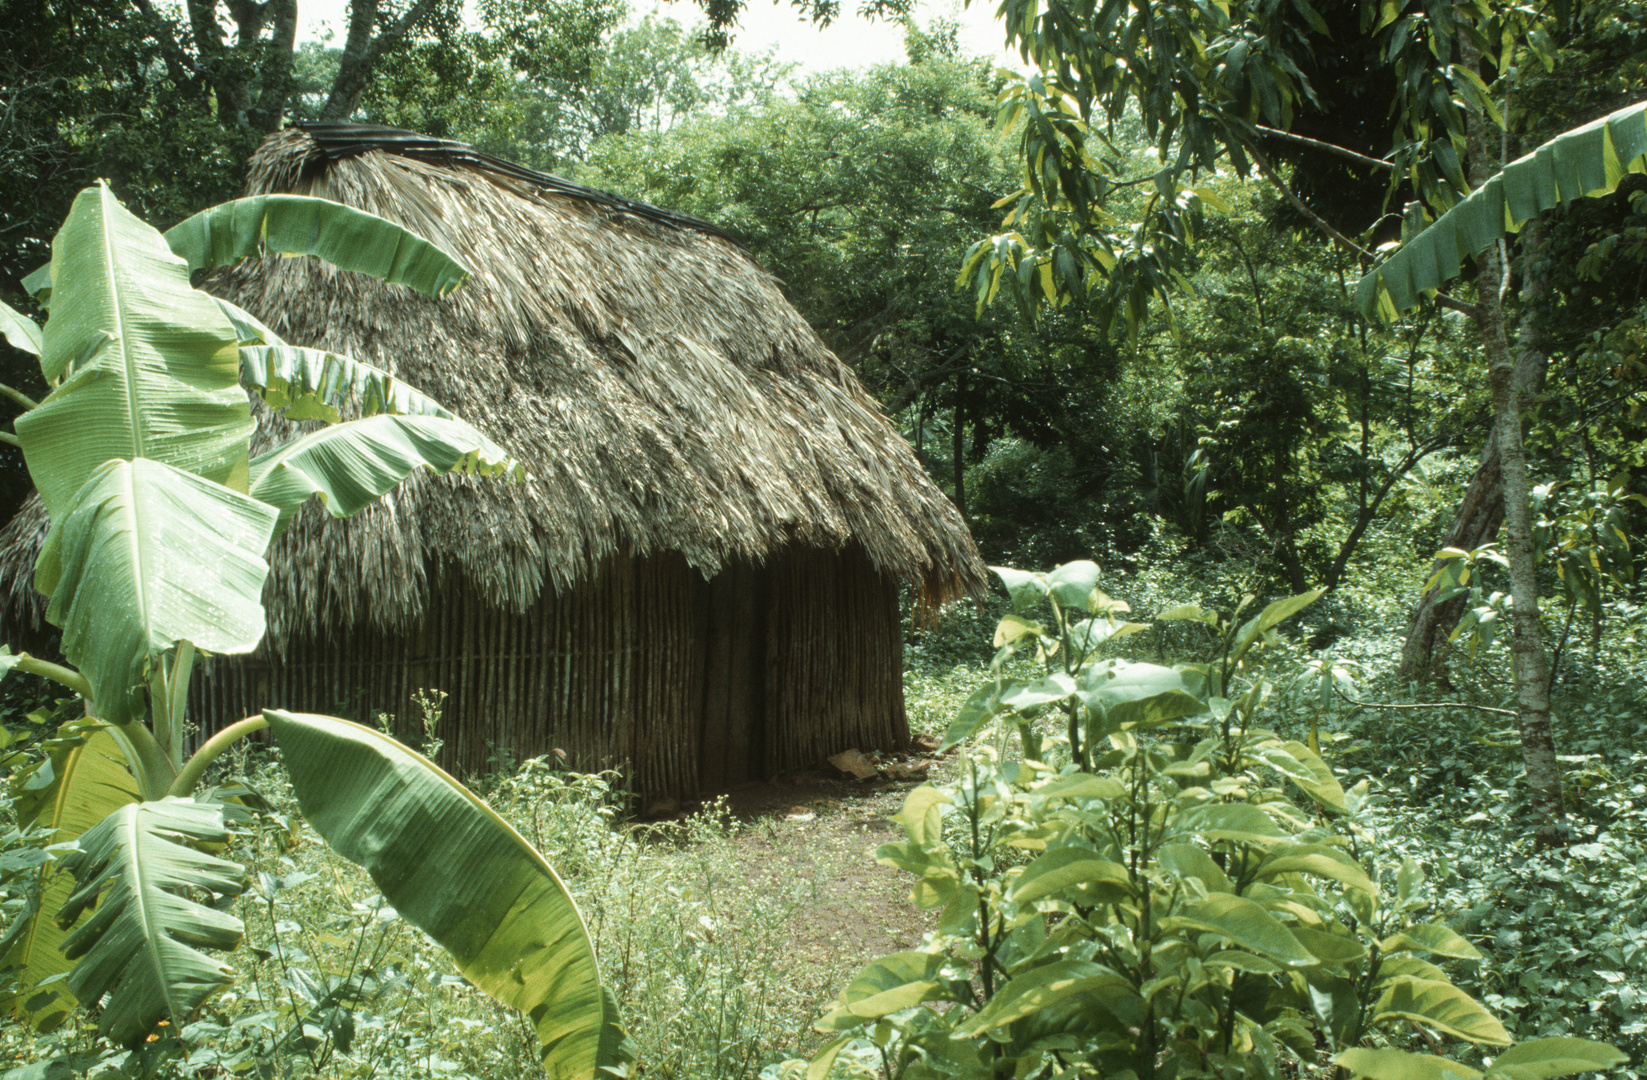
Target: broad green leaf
pixel 1082 786
pixel 146 556
pixel 1320 860
pixel 1278 758
pixel 1137 695
pixel 150 365
pixel 939 877
pixel 824 1060
pixel 1408 880
pixel 350 466
pixel 888 985
pixel 1070 868
pixel 1400 1065
pixel 1336 1002
pixel 1586 161
pixel 1243 922
pixel 1430 938
pixel 1088 634
pixel 1026 589
pixel 1073 584
pixel 1012 627
pixel 313 384
pixel 1189 861
pixel 1443 1006
pixel 298 225
pixel 1032 991
pixel 1272 616
pixel 458 872
pixel 1321 786
pixel 20 331
pixel 1054 687
pixel 143 869
pixel 1188 613
pixel 248 328
pixel 980 708
pixel 37 284
pixel 1244 961
pixel 8 660
pixel 82 780
pixel 1329 947
pixel 1407 964
pixel 1242 822
pixel 923 814
pixel 1539 1059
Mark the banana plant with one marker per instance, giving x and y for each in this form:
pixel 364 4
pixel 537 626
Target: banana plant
pixel 161 518
pixel 1587 161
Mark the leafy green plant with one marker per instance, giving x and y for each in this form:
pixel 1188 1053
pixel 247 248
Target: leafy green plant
pixel 1586 161
pixel 160 520
pixel 1158 886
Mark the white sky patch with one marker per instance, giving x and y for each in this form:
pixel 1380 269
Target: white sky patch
pixel 849 42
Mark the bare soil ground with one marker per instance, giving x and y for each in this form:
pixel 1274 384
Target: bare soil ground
pixel 823 828
pixel 815 828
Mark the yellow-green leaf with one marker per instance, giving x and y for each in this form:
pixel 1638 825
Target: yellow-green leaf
pixel 1442 1006
pixel 1400 1065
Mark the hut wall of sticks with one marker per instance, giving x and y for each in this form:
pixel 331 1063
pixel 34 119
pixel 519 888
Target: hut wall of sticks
pixel 699 580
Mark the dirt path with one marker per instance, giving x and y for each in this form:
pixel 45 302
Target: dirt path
pixel 822 830
pixel 826 831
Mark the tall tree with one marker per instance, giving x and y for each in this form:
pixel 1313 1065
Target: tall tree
pixel 1225 85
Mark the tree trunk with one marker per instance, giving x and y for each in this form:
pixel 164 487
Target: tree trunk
pixel 957 445
pixel 1510 375
pixel 276 76
pixel 361 53
pixel 1475 523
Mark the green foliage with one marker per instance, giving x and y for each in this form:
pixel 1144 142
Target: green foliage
pixel 479 888
pixel 1587 161
pixel 151 367
pixel 333 980
pixel 1157 886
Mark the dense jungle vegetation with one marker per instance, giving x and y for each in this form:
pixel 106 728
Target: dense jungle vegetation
pixel 1307 729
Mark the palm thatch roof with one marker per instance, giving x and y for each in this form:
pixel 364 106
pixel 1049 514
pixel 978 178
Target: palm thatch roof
pixel 662 393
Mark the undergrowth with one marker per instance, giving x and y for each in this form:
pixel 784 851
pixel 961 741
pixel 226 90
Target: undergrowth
pixel 336 984
pixel 701 952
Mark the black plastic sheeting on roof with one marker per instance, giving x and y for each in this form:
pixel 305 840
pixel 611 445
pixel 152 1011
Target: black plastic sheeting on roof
pixel 338 140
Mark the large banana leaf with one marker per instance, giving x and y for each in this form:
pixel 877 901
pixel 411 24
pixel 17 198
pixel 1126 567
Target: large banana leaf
pixel 145 556
pixel 151 365
pixel 141 946
pixel 248 328
pixel 457 870
pixel 298 225
pixel 20 331
pixel 82 780
pixel 1589 160
pixel 313 384
pixel 351 465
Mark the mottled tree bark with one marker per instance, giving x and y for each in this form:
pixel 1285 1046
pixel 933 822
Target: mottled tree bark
pixel 1510 373
pixel 957 445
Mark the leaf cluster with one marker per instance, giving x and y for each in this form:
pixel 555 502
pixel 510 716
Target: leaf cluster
pixel 1140 894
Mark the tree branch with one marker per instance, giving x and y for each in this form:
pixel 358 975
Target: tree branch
pixel 277 68
pixel 1305 140
pixel 360 57
pixel 1425 705
pixel 1317 220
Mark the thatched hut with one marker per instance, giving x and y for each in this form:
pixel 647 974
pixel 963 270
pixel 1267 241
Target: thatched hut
pixel 699 580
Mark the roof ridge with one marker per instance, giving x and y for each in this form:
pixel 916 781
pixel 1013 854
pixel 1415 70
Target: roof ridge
pixel 338 140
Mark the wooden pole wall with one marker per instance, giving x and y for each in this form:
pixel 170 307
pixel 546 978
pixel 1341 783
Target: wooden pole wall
pixel 683 684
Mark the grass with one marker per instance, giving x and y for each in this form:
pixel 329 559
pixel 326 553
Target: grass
pixel 721 939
